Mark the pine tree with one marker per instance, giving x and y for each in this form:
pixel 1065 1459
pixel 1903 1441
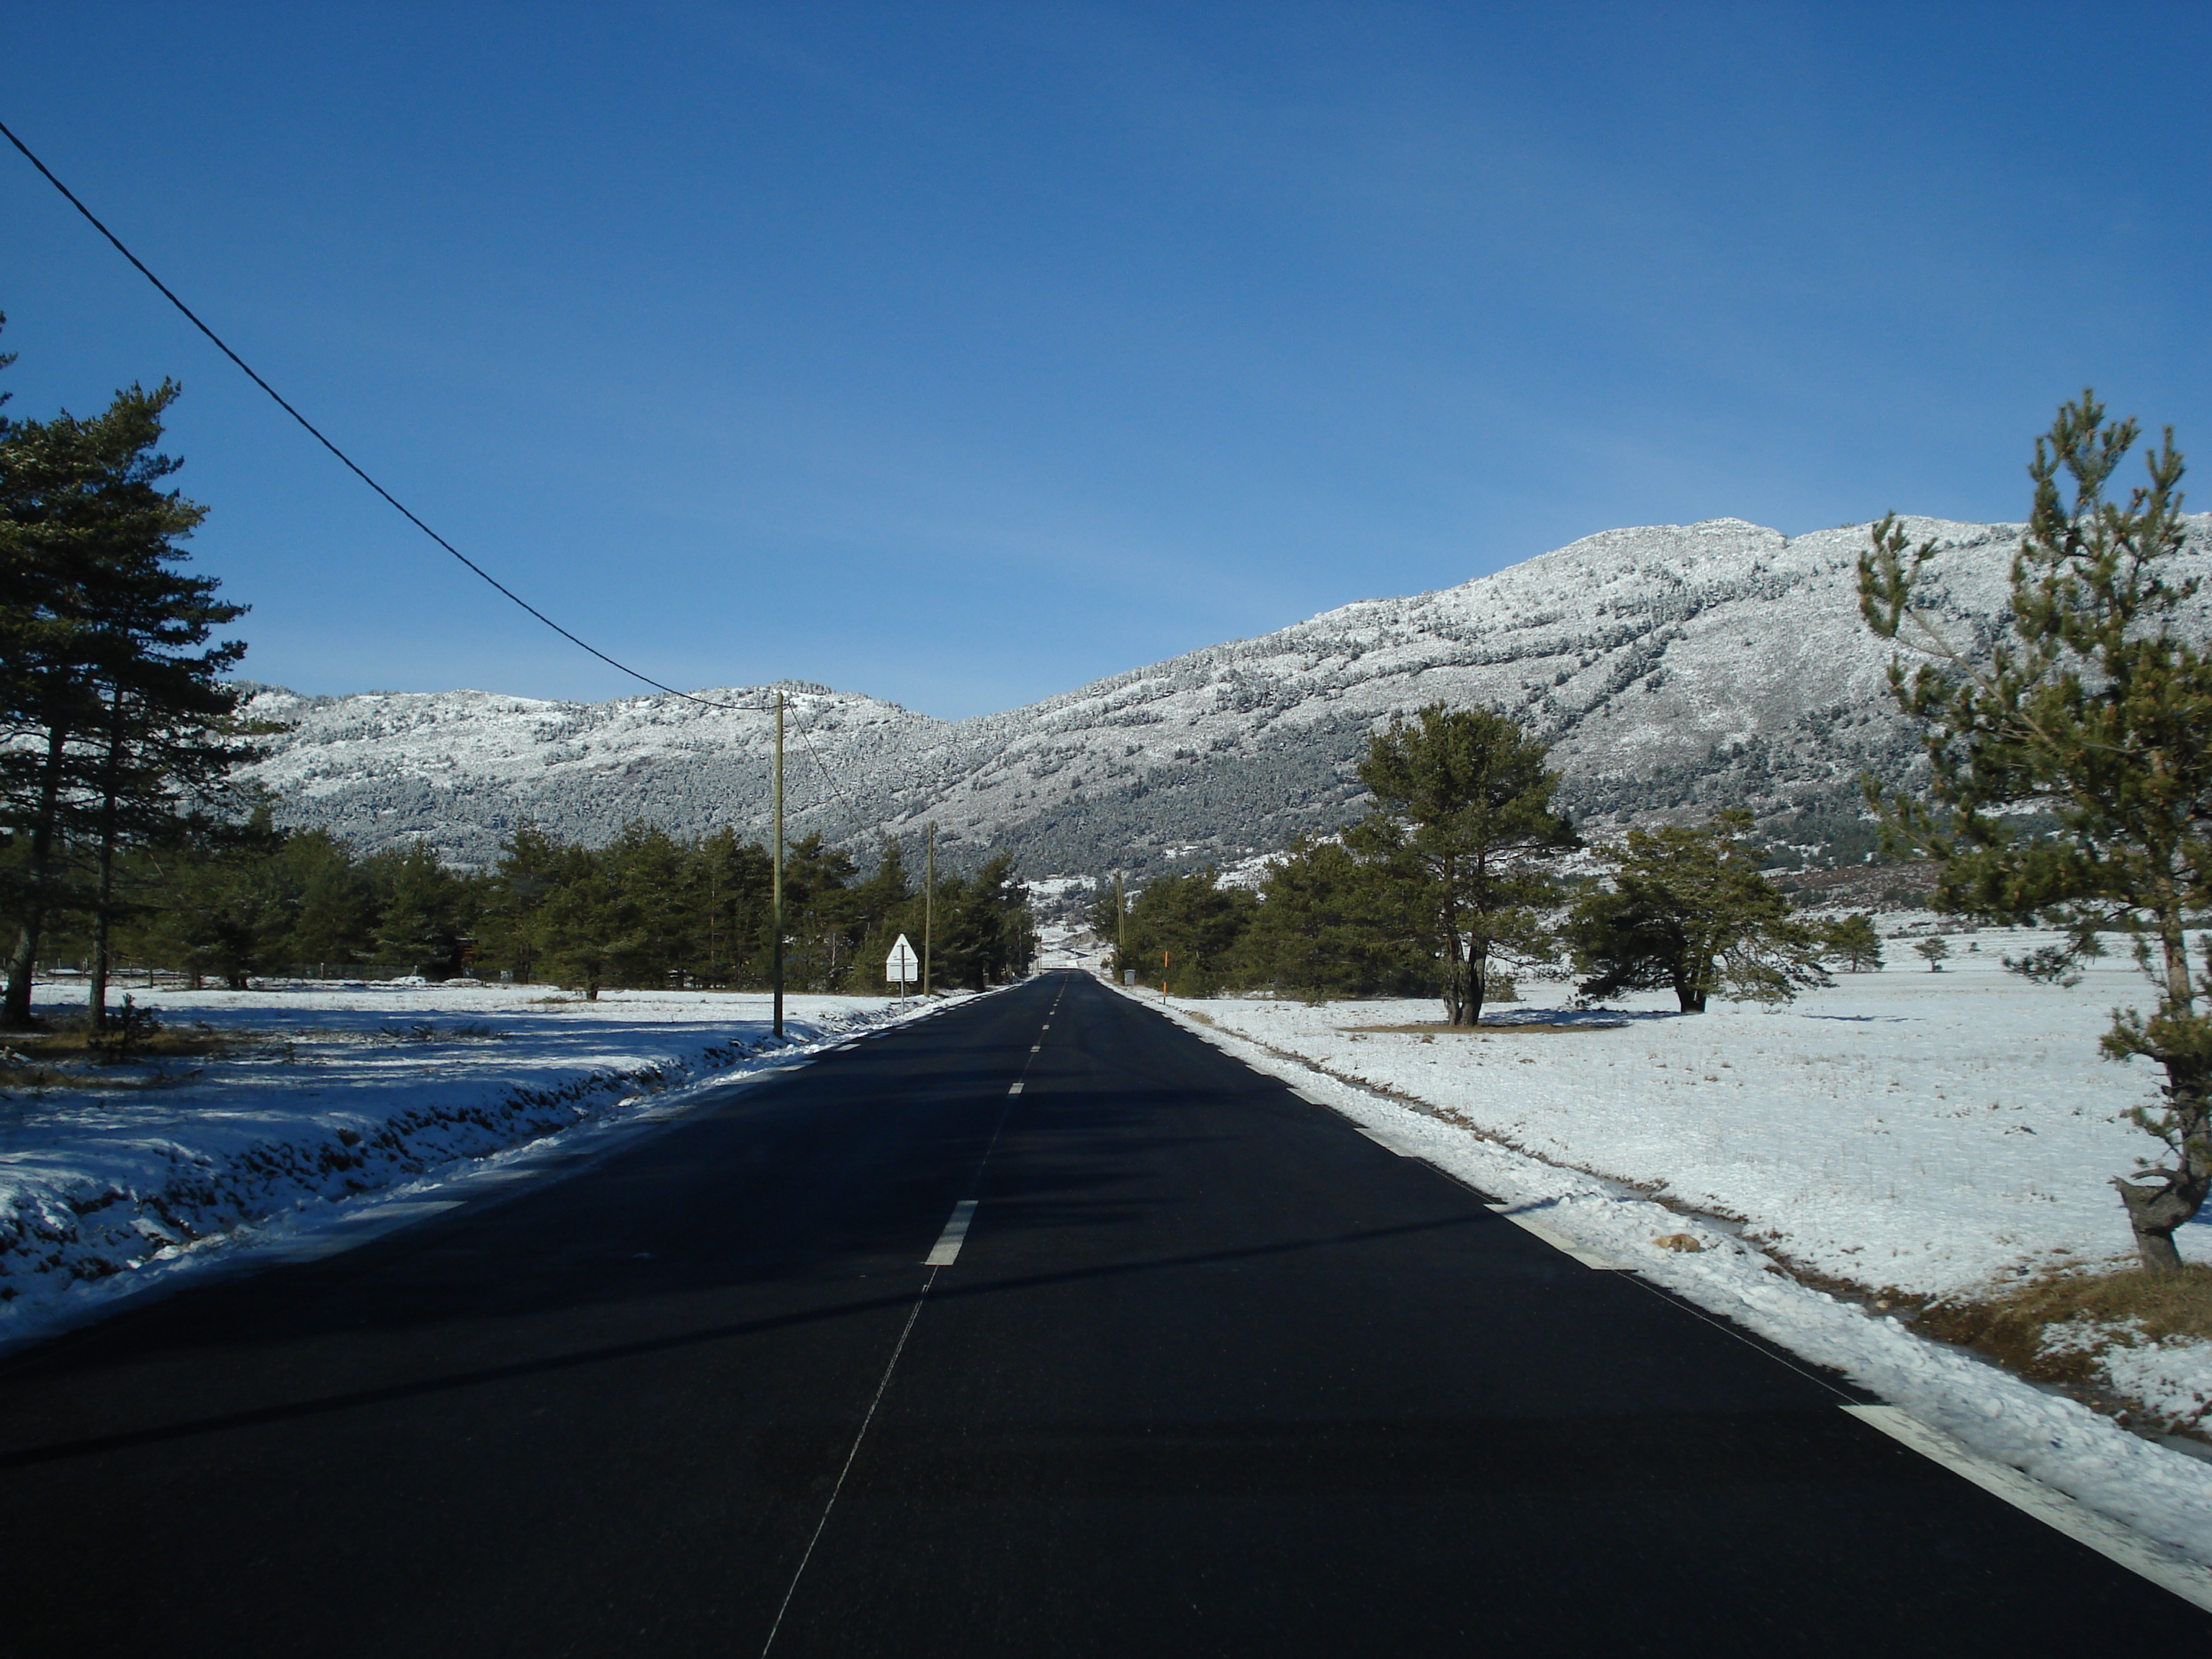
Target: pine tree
pixel 1330 925
pixel 225 908
pixel 2094 708
pixel 1852 941
pixel 876 906
pixel 532 865
pixel 1464 821
pixel 985 934
pixel 420 917
pixel 589 925
pixel 1186 931
pixel 118 712
pixel 1689 912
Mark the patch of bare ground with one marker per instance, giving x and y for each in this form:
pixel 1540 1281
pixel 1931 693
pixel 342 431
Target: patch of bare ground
pixel 2088 1312
pixel 82 1044
pixel 2058 1329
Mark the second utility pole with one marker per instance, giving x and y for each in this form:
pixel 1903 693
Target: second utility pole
pixel 777 906
pixel 928 904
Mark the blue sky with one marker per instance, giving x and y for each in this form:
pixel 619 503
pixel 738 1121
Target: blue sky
pixel 962 353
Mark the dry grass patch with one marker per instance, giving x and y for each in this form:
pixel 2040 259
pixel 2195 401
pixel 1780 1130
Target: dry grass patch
pixel 191 1041
pixel 2059 1329
pixel 2013 1328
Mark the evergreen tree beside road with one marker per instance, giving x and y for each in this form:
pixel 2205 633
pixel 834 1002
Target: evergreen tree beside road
pixel 121 728
pixel 1689 912
pixel 1464 826
pixel 2095 708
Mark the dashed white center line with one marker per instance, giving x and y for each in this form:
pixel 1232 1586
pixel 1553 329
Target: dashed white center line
pixel 1016 1090
pixel 946 1251
pixel 1037 1048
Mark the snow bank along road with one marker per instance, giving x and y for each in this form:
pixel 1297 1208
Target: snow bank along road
pixel 1040 1327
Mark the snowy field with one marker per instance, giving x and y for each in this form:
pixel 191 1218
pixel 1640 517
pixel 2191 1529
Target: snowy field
pixel 1927 1134
pixel 336 1100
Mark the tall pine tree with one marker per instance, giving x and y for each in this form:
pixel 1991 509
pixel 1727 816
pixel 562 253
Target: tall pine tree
pixel 2097 709
pixel 1463 820
pixel 120 718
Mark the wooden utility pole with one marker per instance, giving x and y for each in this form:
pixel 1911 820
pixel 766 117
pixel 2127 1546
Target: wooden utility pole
pixel 777 906
pixel 928 904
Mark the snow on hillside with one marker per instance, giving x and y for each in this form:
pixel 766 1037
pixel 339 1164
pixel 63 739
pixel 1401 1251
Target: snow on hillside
pixel 1674 667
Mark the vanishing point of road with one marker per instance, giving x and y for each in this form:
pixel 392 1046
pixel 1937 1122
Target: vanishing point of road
pixel 1037 1327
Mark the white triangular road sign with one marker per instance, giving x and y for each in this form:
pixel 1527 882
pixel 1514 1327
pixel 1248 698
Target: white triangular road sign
pixel 901 965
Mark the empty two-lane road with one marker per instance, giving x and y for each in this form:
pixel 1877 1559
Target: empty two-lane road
pixel 1039 1328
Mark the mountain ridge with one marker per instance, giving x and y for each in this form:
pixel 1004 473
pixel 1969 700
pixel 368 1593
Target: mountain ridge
pixel 1673 668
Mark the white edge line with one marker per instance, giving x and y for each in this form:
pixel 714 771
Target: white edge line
pixel 946 1250
pixel 2113 1540
pixel 1559 1242
pixel 1370 1134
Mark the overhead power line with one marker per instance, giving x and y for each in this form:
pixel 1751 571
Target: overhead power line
pixel 351 464
pixel 398 505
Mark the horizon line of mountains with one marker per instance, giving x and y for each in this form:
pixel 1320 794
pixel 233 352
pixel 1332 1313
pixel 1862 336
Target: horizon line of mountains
pixel 1672 670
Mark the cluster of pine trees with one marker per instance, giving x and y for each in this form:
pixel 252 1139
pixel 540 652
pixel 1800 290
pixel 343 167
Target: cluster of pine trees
pixel 646 909
pixel 1451 886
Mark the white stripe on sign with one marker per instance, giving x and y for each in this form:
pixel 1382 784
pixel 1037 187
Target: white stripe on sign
pixel 2108 1537
pixel 1016 1090
pixel 947 1250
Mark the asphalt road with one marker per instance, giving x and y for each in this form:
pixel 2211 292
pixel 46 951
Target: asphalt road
pixel 1211 1374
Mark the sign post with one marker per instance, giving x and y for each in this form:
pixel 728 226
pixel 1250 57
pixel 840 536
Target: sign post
pixel 902 964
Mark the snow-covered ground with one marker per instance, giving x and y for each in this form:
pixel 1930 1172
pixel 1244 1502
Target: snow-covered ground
pixel 341 1098
pixel 1910 1130
pixel 1931 1133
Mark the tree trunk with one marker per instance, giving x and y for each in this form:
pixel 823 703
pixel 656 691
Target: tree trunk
pixel 1478 990
pixel 37 872
pixel 110 773
pixel 2163 1200
pixel 1457 974
pixel 1687 991
pixel 96 979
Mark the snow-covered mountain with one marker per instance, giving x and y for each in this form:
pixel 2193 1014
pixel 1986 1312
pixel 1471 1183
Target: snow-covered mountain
pixel 1674 668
